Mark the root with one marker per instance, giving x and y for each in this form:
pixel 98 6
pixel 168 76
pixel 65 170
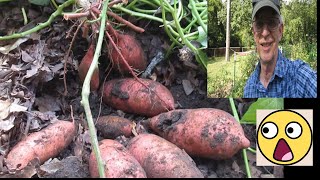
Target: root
pixel 66 60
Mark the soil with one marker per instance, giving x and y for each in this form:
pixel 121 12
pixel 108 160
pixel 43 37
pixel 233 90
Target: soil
pixel 32 74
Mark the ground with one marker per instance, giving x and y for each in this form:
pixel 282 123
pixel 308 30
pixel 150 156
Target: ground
pixel 32 76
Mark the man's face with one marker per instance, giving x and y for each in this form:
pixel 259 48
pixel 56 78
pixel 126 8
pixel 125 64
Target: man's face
pixel 267 32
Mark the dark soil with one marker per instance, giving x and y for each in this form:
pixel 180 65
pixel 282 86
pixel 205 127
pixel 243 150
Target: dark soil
pixel 42 91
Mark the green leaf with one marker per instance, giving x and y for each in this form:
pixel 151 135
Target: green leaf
pixel 262 103
pixel 203 37
pixel 40 2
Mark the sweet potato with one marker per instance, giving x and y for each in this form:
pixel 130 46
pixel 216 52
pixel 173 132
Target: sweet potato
pixel 84 67
pixel 111 127
pixel 44 144
pixel 162 159
pixel 131 96
pixel 119 162
pixel 204 132
pixel 130 49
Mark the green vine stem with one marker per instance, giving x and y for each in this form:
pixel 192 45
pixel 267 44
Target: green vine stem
pixel 244 152
pixel 197 15
pixel 86 91
pixel 252 150
pixel 41 25
pixel 25 18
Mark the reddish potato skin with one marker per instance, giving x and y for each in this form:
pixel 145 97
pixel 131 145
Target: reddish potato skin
pixel 44 144
pixel 131 51
pixel 131 96
pixel 162 159
pixel 120 163
pixel 204 132
pixel 84 67
pixel 111 127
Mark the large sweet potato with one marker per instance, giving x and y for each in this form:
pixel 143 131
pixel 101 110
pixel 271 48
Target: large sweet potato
pixel 203 132
pixel 111 127
pixel 44 144
pixel 119 162
pixel 131 96
pixel 162 159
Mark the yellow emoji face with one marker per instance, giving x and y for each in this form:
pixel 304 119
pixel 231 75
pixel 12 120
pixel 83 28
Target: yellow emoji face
pixel 284 137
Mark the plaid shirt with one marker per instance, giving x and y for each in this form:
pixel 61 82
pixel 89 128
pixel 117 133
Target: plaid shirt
pixel 291 79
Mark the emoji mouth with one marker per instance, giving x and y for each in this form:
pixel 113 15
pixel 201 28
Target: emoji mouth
pixel 282 151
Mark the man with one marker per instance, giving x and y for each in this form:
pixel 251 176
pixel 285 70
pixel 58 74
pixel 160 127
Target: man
pixel 275 75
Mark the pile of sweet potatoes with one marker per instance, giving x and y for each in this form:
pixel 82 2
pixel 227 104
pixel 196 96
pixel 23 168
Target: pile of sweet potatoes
pixel 178 134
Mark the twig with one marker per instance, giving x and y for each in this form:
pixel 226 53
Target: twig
pixel 66 60
pixel 86 92
pixel 120 19
pixel 129 24
pixel 41 25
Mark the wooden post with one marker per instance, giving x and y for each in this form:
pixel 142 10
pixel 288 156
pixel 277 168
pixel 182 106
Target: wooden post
pixel 228 32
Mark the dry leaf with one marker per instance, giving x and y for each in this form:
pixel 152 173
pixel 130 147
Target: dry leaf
pixel 6 49
pixel 187 87
pixel 4 109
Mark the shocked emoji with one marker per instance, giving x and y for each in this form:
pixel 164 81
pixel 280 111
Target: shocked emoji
pixel 284 137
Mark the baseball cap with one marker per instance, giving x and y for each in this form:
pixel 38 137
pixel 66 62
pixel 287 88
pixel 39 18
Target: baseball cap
pixel 258 4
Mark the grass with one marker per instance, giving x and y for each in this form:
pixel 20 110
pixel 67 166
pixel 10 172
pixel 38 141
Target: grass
pixel 222 81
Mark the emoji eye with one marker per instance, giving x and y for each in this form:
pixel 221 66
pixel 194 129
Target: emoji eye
pixel 293 130
pixel 269 130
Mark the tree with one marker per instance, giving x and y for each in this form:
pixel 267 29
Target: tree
pixel 216 30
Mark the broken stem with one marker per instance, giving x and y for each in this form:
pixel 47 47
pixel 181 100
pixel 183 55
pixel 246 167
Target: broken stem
pixel 86 92
pixel 68 16
pixel 41 25
pixel 25 18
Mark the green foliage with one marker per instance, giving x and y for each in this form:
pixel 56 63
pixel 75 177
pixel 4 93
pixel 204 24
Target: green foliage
pixel 261 103
pixel 240 24
pixel 221 76
pixel 216 30
pixel 219 81
pixel 246 67
pixel 303 51
pixel 300 21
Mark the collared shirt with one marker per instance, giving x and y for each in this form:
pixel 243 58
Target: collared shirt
pixel 291 79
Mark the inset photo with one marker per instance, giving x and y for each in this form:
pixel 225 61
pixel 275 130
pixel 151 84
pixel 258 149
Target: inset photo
pixel 262 48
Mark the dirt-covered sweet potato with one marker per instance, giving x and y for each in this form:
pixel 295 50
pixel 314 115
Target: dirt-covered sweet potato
pixel 44 144
pixel 111 127
pixel 119 162
pixel 162 159
pixel 130 96
pixel 130 49
pixel 204 132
